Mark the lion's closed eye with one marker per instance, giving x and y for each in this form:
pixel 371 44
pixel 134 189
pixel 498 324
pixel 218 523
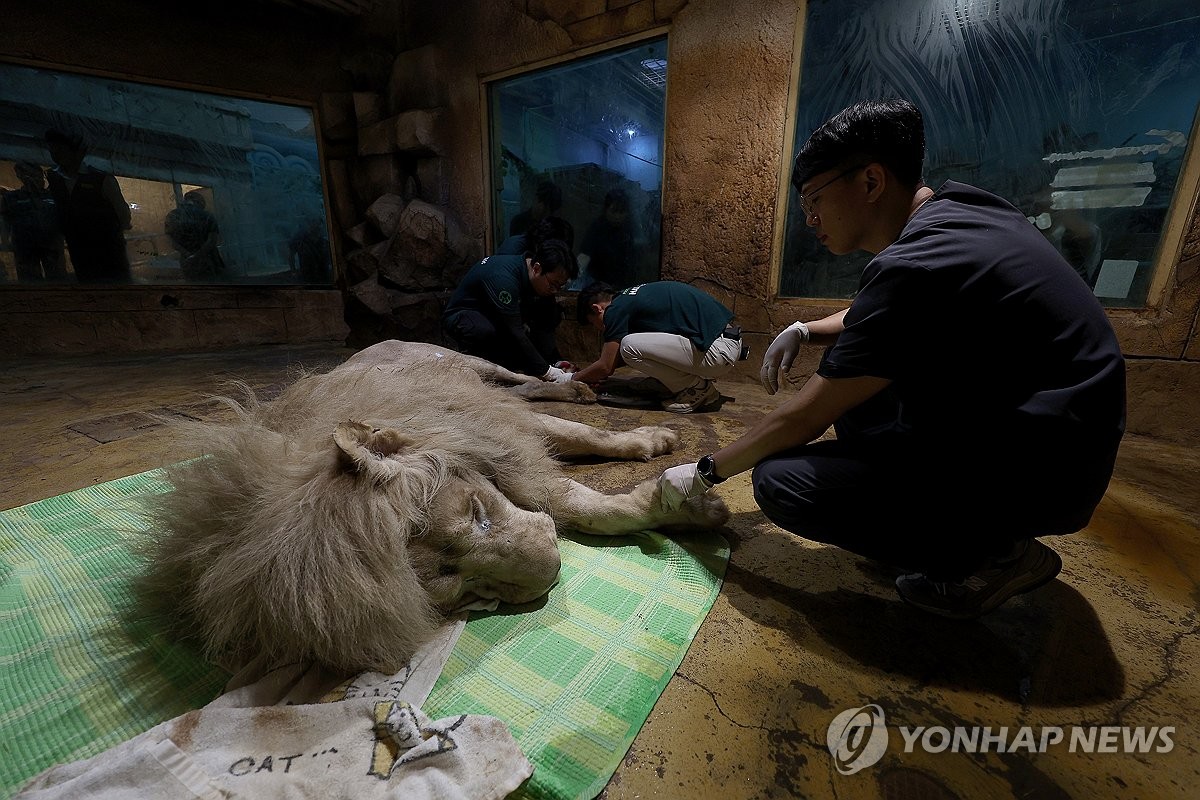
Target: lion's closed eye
pixel 482 522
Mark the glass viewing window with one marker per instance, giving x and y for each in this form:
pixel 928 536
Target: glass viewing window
pixel 1078 113
pixel 583 141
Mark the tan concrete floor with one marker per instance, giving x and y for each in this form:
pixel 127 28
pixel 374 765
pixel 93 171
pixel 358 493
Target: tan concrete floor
pixel 800 632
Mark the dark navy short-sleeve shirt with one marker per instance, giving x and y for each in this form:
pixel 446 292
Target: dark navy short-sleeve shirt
pixel 985 330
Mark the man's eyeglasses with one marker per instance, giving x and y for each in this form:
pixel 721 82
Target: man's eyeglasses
pixel 808 201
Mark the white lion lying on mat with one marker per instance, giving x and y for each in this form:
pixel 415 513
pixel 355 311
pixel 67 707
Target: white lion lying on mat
pixel 340 521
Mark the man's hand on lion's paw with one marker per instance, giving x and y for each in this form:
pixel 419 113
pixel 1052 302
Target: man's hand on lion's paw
pixel 678 484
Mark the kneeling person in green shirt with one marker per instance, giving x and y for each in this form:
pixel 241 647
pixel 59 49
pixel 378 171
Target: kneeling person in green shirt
pixel 668 330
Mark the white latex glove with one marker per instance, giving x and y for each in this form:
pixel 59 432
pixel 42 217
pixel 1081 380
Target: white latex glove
pixel 781 355
pixel 565 377
pixel 554 374
pixel 678 484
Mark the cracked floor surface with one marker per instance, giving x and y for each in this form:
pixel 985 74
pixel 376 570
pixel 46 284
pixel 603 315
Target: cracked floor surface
pixel 800 631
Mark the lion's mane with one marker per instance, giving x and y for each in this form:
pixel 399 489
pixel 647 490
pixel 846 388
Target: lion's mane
pixel 271 545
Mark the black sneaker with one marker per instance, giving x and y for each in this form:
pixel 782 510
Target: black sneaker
pixel 987 589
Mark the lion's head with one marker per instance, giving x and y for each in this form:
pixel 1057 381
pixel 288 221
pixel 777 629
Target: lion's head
pixel 338 522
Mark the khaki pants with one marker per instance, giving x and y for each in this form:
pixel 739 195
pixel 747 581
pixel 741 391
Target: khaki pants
pixel 675 362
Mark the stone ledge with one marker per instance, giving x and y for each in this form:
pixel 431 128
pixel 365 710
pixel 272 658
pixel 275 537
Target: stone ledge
pixel 165 319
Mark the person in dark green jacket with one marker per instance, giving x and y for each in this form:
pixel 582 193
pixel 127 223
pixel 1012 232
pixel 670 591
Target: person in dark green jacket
pixel 504 309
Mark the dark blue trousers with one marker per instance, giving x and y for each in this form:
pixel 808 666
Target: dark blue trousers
pixel 880 492
pixel 476 334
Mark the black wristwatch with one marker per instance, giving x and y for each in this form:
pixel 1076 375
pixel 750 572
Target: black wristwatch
pixel 704 468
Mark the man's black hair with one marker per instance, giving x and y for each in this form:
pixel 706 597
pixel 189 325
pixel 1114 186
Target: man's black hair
pixel 549 228
pixel 889 132
pixel 553 255
pixel 592 293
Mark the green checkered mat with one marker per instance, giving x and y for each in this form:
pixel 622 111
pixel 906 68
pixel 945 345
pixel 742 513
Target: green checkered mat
pixel 576 679
pixel 76 678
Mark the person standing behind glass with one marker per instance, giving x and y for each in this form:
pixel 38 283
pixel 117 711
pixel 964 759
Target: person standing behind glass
pixel 606 254
pixel 194 231
pixel 308 252
pixel 545 228
pixel 547 200
pixel 91 211
pixel 31 227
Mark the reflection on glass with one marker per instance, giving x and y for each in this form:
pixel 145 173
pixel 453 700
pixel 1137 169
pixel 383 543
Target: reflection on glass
pixel 584 142
pixel 111 182
pixel 1077 112
pixel 29 227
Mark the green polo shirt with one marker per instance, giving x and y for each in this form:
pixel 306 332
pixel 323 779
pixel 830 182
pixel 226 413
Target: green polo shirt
pixel 666 307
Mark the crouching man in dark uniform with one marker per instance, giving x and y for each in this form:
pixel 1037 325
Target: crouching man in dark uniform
pixel 504 309
pixel 1009 379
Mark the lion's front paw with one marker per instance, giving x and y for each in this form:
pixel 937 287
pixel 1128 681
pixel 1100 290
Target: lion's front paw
pixel 583 392
pixel 653 440
pixel 707 510
pixel 701 511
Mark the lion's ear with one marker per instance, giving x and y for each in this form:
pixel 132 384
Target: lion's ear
pixel 370 450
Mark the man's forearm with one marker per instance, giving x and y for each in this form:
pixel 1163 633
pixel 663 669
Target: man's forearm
pixel 819 403
pixel 593 373
pixel 825 331
pixel 534 363
pixel 602 367
pixel 785 428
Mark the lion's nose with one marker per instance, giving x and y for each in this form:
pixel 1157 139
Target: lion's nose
pixel 537 548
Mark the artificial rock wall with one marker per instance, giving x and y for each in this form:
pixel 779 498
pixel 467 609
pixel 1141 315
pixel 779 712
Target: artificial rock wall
pixel 404 251
pixel 730 70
